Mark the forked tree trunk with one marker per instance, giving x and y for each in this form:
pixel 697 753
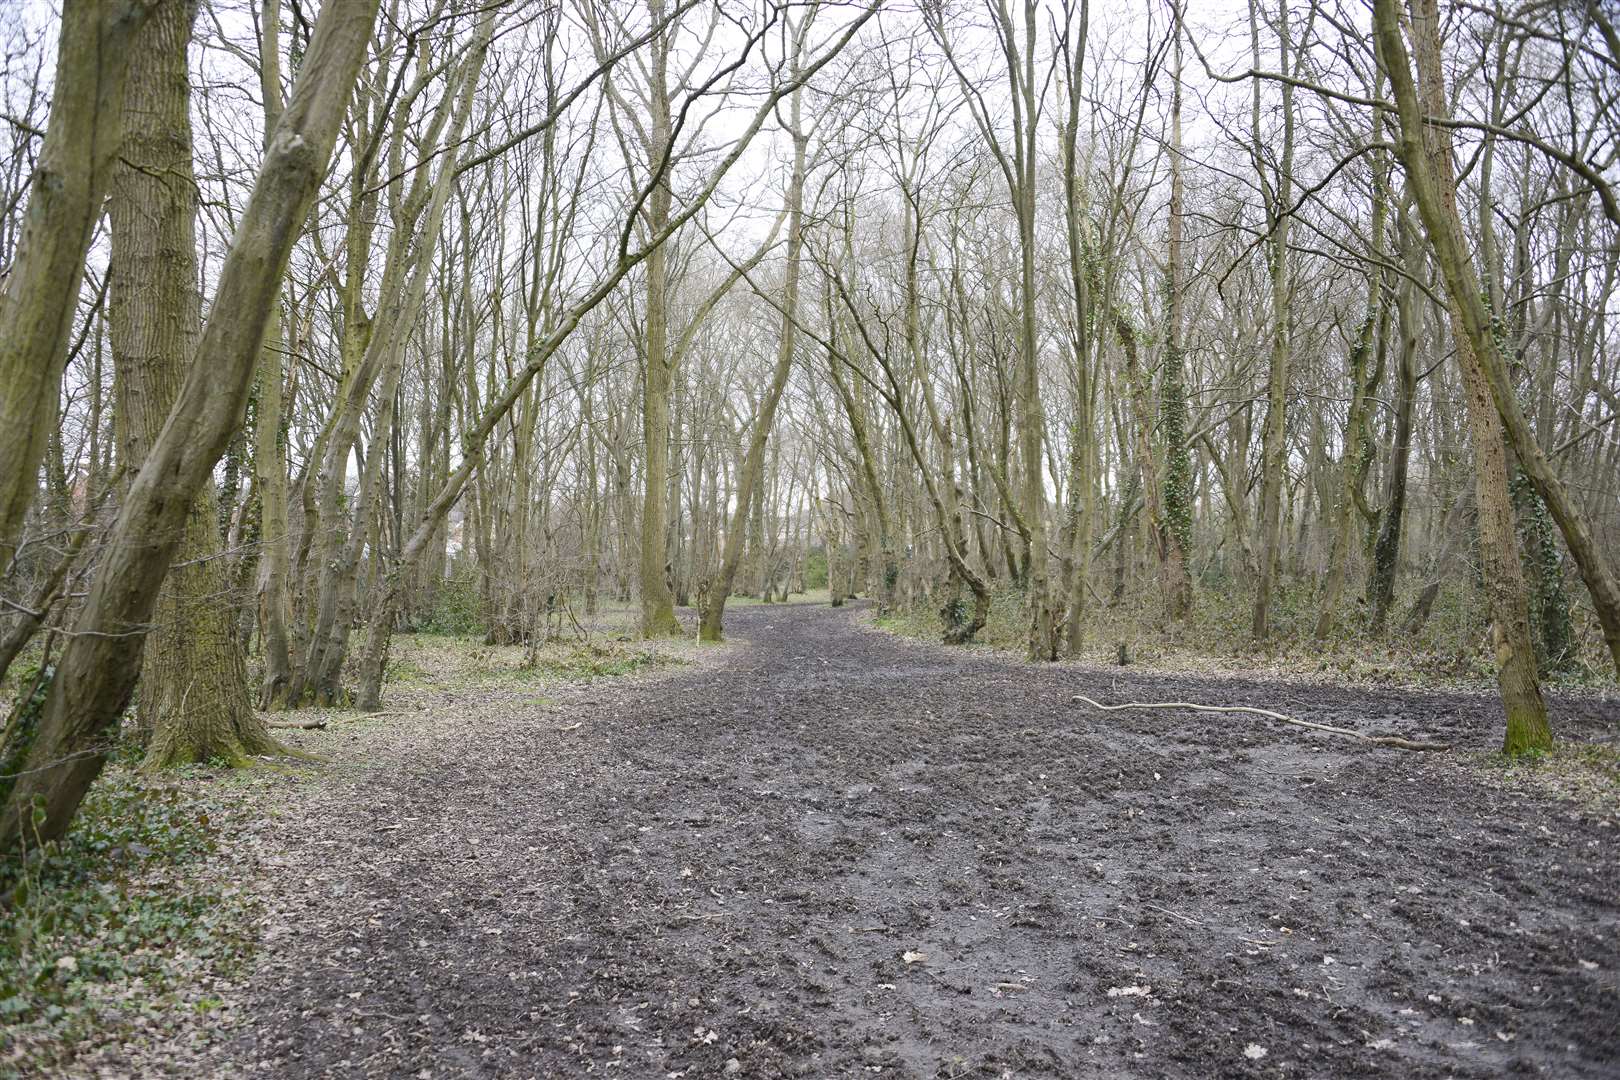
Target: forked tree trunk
pixel 1356 453
pixel 752 473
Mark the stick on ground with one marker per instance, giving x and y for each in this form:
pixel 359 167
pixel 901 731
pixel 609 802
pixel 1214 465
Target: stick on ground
pixel 1377 740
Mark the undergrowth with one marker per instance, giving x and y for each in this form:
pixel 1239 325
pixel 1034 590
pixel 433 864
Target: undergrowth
pixel 593 661
pixel 1452 648
pixel 101 931
pixel 1584 773
pixel 422 659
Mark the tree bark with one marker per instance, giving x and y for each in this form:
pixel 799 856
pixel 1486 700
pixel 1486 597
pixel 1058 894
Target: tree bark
pixel 1387 549
pixel 1435 192
pixel 712 626
pixel 657 600
pixel 1176 540
pixel 41 289
pixel 270 448
pixel 193 689
pixel 1274 446
pixel 1426 154
pixel 97 671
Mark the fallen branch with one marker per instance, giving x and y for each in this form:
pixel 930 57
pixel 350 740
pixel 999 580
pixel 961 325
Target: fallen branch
pixel 1377 740
pixel 1188 919
pixel 302 725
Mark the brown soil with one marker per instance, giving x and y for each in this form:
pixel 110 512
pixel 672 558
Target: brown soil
pixel 833 853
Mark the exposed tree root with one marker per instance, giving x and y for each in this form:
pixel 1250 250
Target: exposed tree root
pixel 1377 740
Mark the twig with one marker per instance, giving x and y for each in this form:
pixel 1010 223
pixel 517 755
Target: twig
pixel 1175 914
pixel 1378 740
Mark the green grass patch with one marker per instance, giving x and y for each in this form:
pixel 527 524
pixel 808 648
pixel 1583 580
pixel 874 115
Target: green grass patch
pixel 458 662
pixel 105 928
pixel 595 661
pixel 405 671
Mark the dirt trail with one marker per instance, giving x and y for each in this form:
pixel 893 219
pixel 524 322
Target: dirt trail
pixel 722 873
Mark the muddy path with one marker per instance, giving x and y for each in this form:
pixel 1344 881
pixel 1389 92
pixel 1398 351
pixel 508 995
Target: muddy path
pixel 835 853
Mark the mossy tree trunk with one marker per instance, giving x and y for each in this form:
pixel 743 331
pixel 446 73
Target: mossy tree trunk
pixel 41 288
pixel 193 698
pixel 1426 152
pixel 101 660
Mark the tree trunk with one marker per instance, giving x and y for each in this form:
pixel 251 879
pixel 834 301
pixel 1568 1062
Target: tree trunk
pixel 657 601
pixel 1274 445
pixel 97 671
pixel 193 687
pixel 270 465
pixel 1387 549
pixel 1436 197
pixel 1426 153
pixel 1176 541
pixel 41 289
pixel 751 476
pixel 1353 460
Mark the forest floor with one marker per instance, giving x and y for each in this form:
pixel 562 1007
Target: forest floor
pixel 826 851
